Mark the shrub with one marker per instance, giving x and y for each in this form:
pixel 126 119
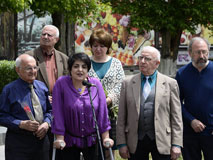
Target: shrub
pixel 7 73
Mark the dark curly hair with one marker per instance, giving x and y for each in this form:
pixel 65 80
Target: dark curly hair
pixel 81 57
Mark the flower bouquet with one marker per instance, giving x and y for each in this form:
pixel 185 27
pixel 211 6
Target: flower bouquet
pixel 113 110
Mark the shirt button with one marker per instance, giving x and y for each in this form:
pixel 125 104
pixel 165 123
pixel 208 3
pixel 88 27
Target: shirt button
pixel 82 122
pixel 82 113
pixel 82 136
pixel 82 129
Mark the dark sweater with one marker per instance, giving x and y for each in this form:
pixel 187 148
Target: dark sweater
pixel 196 94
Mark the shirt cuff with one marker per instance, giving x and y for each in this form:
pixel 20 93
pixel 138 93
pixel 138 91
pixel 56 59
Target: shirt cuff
pixel 120 146
pixel 175 145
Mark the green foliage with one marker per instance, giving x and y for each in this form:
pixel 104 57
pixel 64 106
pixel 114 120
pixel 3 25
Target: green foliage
pixel 13 5
pixel 73 10
pixel 113 110
pixel 171 15
pixel 7 73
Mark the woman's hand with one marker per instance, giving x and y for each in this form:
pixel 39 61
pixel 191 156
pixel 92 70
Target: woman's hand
pixel 59 143
pixel 108 100
pixel 108 142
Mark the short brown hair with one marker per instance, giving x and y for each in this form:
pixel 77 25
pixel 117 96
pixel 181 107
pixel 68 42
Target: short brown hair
pixel 101 36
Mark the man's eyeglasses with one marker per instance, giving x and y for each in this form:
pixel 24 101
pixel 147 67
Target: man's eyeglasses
pixel 30 69
pixel 204 52
pixel 147 59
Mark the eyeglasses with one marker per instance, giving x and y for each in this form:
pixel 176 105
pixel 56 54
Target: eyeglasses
pixel 146 59
pixel 204 52
pixel 30 69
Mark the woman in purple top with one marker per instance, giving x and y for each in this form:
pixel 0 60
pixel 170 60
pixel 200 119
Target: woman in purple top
pixel 73 122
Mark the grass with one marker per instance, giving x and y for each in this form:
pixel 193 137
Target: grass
pixel 117 156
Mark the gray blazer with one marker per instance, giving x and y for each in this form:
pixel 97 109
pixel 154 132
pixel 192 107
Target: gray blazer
pixel 167 114
pixel 61 64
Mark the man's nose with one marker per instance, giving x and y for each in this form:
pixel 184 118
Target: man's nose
pixel 143 60
pixel 202 55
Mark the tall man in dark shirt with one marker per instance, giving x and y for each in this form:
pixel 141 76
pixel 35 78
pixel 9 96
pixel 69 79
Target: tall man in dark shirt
pixel 196 94
pixel 25 138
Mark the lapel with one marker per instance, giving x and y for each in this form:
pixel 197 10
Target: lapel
pixel 136 85
pixel 160 90
pixel 41 64
pixel 59 64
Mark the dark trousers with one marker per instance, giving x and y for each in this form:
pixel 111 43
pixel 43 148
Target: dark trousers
pixel 193 145
pixel 51 139
pixel 69 153
pixel 145 147
pixel 25 146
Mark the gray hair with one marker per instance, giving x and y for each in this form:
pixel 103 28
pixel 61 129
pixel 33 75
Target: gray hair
pixel 53 27
pixel 197 39
pixel 20 58
pixel 152 49
pixel 18 62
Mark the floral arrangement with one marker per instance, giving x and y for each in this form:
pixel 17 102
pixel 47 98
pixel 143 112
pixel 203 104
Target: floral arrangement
pixel 113 110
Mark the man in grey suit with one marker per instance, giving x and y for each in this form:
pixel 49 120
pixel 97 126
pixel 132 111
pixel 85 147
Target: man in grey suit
pixel 149 116
pixel 51 62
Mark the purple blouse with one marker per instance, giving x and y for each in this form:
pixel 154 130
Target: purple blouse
pixel 72 112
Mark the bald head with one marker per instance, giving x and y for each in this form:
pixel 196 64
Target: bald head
pixel 23 58
pixel 26 68
pixel 52 27
pixel 149 60
pixel 152 50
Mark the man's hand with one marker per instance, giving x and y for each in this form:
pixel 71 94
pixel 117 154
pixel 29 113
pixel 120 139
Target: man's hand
pixel 50 99
pixel 124 152
pixel 29 125
pixel 197 125
pixel 175 152
pixel 42 130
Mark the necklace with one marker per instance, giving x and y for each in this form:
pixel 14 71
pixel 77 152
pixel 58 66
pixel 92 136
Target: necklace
pixel 81 90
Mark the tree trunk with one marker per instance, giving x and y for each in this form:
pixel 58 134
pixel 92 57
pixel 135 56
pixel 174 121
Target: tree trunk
pixel 170 44
pixel 166 44
pixel 29 38
pixel 66 43
pixel 70 38
pixel 8 36
pixel 168 67
pixel 175 43
pixel 169 52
